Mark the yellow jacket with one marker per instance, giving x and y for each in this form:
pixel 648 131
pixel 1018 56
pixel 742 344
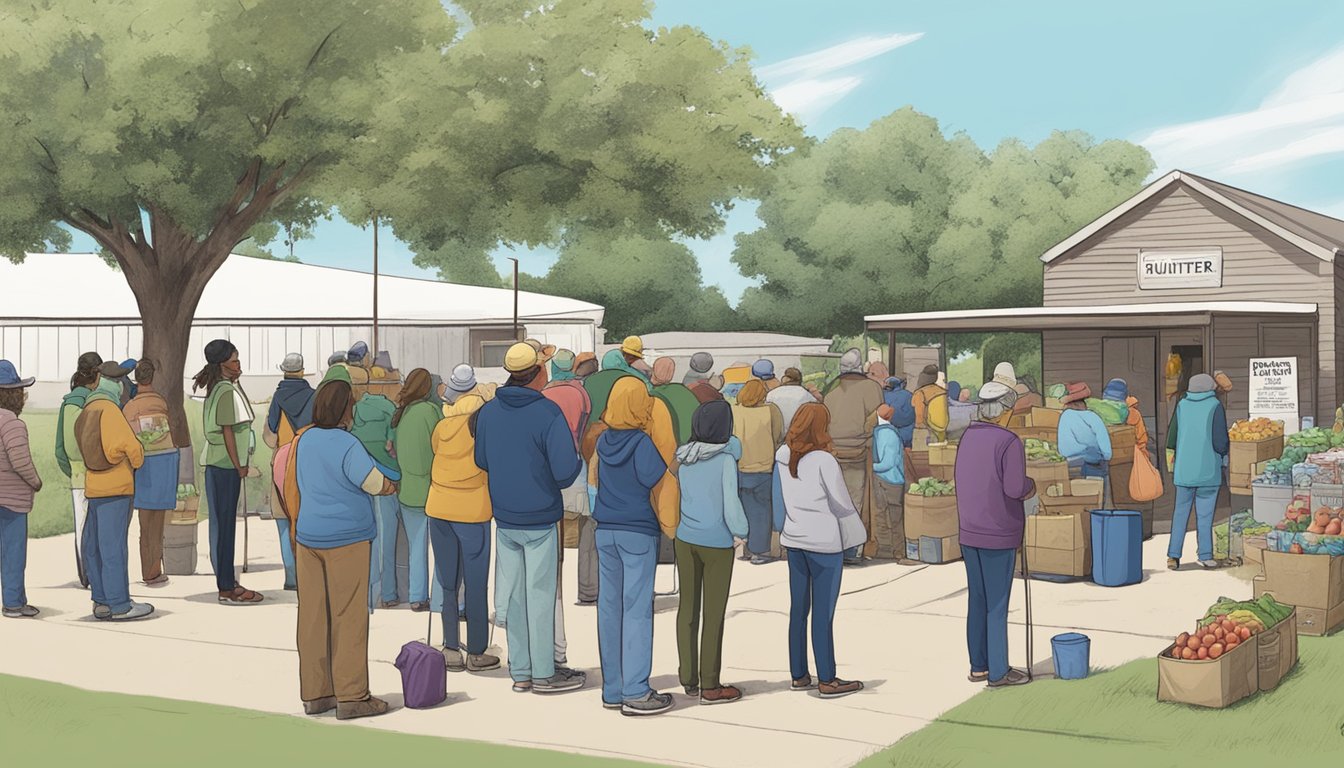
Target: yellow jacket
pixel 120 446
pixel 931 411
pixel 457 487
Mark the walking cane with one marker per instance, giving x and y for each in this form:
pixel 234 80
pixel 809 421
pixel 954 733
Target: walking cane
pixel 1026 586
pixel 242 499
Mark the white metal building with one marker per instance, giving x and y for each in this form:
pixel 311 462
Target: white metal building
pixel 57 306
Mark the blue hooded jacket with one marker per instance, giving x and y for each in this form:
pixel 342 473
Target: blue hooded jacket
pixel 628 468
pixel 902 401
pixel 524 444
pixel 294 398
pixel 1198 434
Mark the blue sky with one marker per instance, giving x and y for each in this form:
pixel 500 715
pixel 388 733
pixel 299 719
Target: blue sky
pixel 1243 93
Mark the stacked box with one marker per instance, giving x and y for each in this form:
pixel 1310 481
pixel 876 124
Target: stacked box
pixel 1243 457
pixel 1312 583
pixel 931 528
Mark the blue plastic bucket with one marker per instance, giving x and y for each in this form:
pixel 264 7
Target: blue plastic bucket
pixel 1117 547
pixel 1072 654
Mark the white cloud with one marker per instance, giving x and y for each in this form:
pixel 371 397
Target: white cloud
pixel 800 85
pixel 1300 120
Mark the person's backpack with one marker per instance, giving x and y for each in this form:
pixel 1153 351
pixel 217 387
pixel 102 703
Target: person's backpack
pixel 424 678
pixel 89 436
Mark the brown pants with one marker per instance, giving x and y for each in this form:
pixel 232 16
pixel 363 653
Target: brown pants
pixel 859 481
pixel 333 622
pixel 151 542
pixel 889 520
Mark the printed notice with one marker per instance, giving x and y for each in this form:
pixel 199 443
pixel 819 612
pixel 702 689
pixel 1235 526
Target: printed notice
pixel 1273 392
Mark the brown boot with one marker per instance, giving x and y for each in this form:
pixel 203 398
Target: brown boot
pixel 724 694
pixel 370 707
pixel 481 662
pixel 319 706
pixel 837 688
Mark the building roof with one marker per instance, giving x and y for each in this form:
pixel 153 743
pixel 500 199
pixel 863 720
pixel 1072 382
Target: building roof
pixel 1315 233
pixel 83 288
pixel 711 340
pixel 1116 316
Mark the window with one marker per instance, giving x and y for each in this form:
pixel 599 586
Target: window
pixel 492 354
pixel 488 345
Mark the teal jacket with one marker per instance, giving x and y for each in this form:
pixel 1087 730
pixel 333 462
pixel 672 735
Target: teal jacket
pixel 1198 435
pixel 888 455
pixel 373 427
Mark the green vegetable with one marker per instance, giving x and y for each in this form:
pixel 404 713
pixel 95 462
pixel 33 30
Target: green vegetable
pixel 1110 411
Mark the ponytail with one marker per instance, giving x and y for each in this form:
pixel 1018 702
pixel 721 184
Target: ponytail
pixel 417 387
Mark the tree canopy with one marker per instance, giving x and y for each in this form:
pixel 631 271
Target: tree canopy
pixel 900 218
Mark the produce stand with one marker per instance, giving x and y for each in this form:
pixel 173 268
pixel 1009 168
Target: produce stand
pixel 931 532
pixel 1252 442
pixel 1237 650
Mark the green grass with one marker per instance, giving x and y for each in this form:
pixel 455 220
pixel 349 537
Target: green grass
pixel 56 725
pixel 1113 718
pixel 967 371
pixel 51 514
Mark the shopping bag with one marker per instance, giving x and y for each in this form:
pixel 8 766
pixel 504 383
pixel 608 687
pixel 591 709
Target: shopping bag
pixel 1145 482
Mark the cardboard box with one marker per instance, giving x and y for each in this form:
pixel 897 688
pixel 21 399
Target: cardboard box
pixel 1122 443
pixel 919 442
pixel 1045 417
pixel 1276 652
pixel 1047 473
pixel 1048 434
pixel 1054 403
pixel 1311 581
pixel 1311 620
pixel 1084 496
pixel 1253 549
pixel 934 516
pixel 1243 456
pixel 1120 486
pixel 945 473
pixel 1216 683
pixel 1059 544
pixel 938 550
pixel 944 455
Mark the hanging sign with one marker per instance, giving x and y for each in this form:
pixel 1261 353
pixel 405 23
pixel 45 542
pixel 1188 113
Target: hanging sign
pixel 1199 268
pixel 1273 393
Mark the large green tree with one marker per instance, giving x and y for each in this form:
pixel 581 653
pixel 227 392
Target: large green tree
pixel 899 217
pixel 172 133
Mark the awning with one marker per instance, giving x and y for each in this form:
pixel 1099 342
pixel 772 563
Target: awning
pixel 1120 316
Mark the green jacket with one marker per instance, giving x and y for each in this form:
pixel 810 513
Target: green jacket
pixel 373 427
pixel 682 403
pixel 68 457
pixel 414 451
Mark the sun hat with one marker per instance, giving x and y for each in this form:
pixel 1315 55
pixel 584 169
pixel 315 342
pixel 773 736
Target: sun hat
pixel 1005 375
pixel 993 391
pixel 544 351
pixel 702 362
pixel 115 370
pixel 1202 382
pixel 462 379
pixel 293 363
pixel 521 357
pixel 9 377
pixel 633 345
pixel 851 361
pixel 763 369
pixel 1076 391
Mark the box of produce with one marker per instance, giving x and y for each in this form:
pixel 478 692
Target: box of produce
pixel 1045 417
pixel 1315 440
pixel 1236 650
pixel 1042 450
pixel 930 509
pixel 1330 466
pixel 1033 432
pixel 1255 430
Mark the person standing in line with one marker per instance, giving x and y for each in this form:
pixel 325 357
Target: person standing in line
pixel 68 458
pixel 759 427
pixel 853 402
pixel 527 450
pixel 681 402
pixel 765 371
pixel 789 396
pixel 632 352
pixel 1083 438
pixel 712 521
pixel 459 512
pixel 708 390
pixel 889 477
pixel 19 481
pixel 1197 444
pixel 412 426
pixel 291 410
pixel 902 404
pixel 228 438
pixel 111 454
pixel 818 522
pixel 931 407
pixel 372 426
pixel 156 480
pixel 629 468
pixel 585 365
pixel 992 483
pixel 327 482
pixel 700 369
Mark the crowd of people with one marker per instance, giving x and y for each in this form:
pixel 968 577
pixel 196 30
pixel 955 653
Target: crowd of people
pixel 642 462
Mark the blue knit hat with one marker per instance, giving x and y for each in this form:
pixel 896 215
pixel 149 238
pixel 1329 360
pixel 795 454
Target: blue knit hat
pixel 1117 390
pixel 763 369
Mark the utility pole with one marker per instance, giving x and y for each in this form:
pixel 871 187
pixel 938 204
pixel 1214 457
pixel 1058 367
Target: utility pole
pixel 374 351
pixel 515 299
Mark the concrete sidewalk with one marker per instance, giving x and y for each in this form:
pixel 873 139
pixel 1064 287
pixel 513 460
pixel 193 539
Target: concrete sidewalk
pixel 900 629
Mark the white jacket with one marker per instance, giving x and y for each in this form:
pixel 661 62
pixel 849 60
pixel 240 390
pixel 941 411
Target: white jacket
pixel 813 511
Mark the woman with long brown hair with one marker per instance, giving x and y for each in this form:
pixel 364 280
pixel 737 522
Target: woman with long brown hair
pixel 413 425
pixel 818 522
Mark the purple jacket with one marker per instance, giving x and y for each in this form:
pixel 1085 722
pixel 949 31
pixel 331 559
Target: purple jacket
pixel 991 477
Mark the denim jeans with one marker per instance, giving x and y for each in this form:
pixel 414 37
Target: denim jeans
pixel 754 491
pixel 989 583
pixel 105 556
pixel 627 562
pixel 222 489
pixel 286 550
pixel 464 549
pixel 525 591
pixel 1204 500
pixel 13 558
pixel 814 587
pixel 390 511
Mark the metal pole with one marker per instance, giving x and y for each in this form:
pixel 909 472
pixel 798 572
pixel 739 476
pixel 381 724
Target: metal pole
pixel 515 298
pixel 374 351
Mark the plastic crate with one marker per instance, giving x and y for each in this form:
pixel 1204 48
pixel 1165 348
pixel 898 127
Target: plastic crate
pixel 1270 502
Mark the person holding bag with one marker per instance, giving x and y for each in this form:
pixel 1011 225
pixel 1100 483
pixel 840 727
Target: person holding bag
pixel 818 522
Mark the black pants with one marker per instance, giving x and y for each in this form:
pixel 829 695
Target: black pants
pixel 222 488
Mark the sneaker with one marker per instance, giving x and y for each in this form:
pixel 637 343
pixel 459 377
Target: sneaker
pixel 1014 677
pixel 522 686
pixel 101 611
pixel 1210 564
pixel 585 603
pixel 761 559
pixel 158 581
pixel 561 681
pixel 978 677
pixel 481 662
pixel 21 612
pixel 610 705
pixel 653 704
pixel 319 706
pixel 853 561
pixel 837 688
pixel 370 707
pixel 386 604
pixel 453 660
pixel 136 611
pixel 420 607
pixel 724 694
pixel 1173 564
pixel 691 690
pixel 803 683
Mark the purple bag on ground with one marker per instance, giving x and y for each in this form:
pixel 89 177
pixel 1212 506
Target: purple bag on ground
pixel 424 678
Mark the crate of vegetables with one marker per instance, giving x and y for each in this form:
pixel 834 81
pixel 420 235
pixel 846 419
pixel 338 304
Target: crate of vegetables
pixel 1238 649
pixel 1045 464
pixel 930 509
